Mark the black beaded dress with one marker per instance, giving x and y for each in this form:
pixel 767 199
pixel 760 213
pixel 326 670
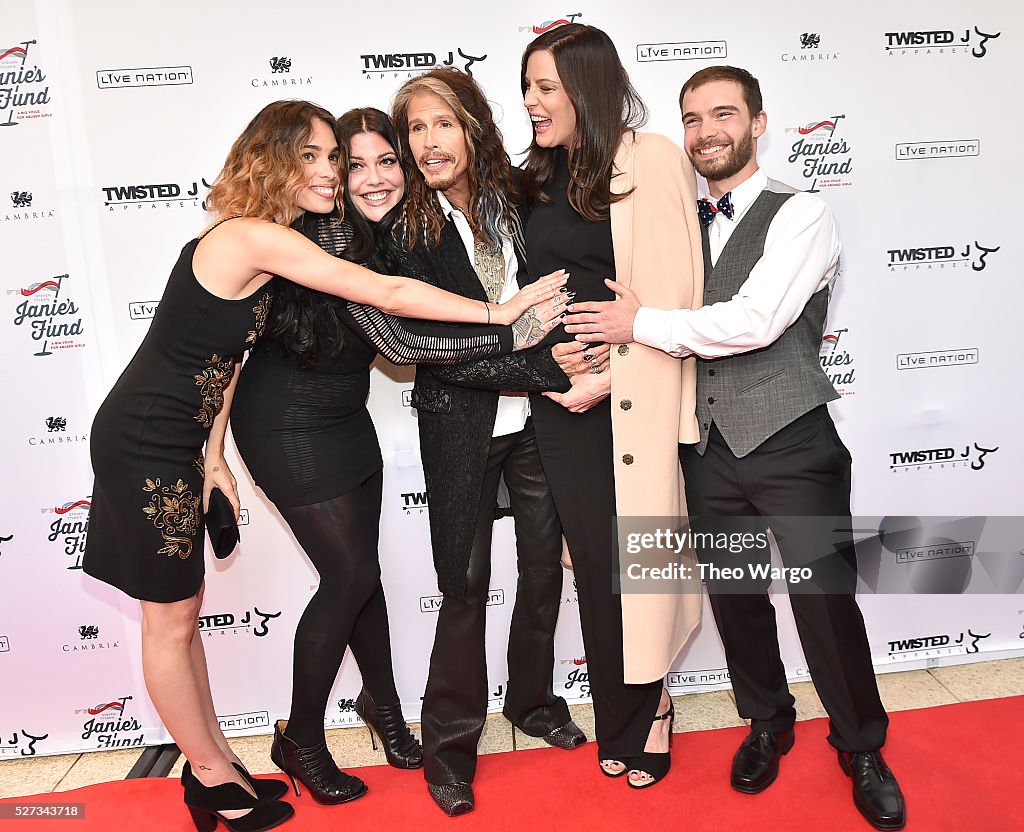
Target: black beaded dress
pixel 577 454
pixel 146 522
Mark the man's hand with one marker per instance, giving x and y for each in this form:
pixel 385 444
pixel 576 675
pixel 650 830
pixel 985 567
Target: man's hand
pixel 608 321
pixel 575 357
pixel 587 390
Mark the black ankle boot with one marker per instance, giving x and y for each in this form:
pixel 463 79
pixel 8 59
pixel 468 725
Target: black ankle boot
pixel 401 748
pixel 314 768
pixel 205 803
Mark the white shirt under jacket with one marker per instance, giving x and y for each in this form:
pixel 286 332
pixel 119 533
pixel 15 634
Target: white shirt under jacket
pixel 801 256
pixel 513 409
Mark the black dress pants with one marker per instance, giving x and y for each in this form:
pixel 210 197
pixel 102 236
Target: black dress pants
pixel 799 474
pixel 455 701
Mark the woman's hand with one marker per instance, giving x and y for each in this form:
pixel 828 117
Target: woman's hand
pixel 536 293
pixel 530 328
pixel 218 475
pixel 587 390
pixel 575 358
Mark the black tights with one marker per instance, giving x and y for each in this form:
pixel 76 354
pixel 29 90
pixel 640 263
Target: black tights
pixel 348 609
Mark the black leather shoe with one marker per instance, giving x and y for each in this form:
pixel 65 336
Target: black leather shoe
pixel 314 768
pixel 569 736
pixel 876 794
pixel 756 763
pixel 453 798
pixel 401 748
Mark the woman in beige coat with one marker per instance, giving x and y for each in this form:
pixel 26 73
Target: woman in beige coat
pixel 608 202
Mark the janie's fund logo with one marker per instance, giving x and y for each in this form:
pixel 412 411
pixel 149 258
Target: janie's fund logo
pixel 838 362
pixel 823 158
pixel 70 528
pixel 23 91
pixel 51 318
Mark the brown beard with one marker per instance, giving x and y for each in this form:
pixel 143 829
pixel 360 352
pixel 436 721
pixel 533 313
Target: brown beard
pixel 715 170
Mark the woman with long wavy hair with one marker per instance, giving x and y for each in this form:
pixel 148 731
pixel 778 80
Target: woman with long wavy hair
pixel 152 480
pixel 301 425
pixel 610 202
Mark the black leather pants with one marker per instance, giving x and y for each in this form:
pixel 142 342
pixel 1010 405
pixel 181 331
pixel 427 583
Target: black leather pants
pixel 455 701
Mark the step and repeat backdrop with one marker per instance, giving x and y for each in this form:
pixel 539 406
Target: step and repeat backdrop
pixel 114 119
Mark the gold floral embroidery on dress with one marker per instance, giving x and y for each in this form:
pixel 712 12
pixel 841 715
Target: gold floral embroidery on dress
pixel 261 309
pixel 211 383
pixel 199 463
pixel 174 511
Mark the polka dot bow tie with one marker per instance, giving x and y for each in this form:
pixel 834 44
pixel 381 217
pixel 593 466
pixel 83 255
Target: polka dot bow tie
pixel 706 209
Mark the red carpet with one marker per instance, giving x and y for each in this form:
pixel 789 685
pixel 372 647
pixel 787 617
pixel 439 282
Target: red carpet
pixel 961 768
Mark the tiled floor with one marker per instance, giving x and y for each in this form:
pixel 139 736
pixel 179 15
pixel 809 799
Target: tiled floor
pixel 351 746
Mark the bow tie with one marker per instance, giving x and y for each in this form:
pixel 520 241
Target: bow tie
pixel 706 209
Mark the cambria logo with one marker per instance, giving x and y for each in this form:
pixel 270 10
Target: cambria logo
pixel 548 25
pixel 939 42
pixel 281 66
pixel 923 647
pixel 50 319
pixel 21 90
pixel 57 425
pixel 89 634
pixel 825 160
pixel 227 624
pixel 941 458
pixel 87 631
pixel 928 257
pixel 415 63
pixel 54 423
pixel 21 199
pixel 165 195
pixel 809 50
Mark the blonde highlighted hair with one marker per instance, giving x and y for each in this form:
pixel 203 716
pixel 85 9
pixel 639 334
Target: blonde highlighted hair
pixel 263 173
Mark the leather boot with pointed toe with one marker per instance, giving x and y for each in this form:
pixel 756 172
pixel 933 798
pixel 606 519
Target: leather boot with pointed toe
pixel 756 763
pixel 876 794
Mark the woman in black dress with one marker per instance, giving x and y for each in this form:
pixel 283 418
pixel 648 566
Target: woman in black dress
pixel 152 481
pixel 301 425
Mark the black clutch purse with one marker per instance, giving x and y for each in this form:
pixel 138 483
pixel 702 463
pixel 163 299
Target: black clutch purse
pixel 221 524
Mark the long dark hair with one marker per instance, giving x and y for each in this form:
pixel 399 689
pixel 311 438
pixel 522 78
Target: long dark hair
pixel 307 325
pixel 493 190
pixel 606 106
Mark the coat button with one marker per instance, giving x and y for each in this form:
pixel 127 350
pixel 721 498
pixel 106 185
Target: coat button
pixel 625 404
pixel 627 459
pixel 706 426
pixel 463 406
pixel 711 372
pixel 623 349
pixel 711 399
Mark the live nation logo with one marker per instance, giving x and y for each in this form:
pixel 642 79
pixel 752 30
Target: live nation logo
pixel 687 51
pixel 69 528
pixel 937 358
pixel 698 678
pixel 88 641
pixel 242 722
pixel 837 363
pixel 255 622
pixel 548 25
pixel 143 76
pixel 973 457
pixel 56 434
pixel 22 209
pixel 822 158
pixel 142 310
pixel 432 603
pixel 409 64
pixel 280 74
pixel 810 50
pixel 965 643
pixel 972 42
pixel 23 88
pixel 944 149
pixel 122 198
pixel 51 318
pixel 958 256
pixel 109 726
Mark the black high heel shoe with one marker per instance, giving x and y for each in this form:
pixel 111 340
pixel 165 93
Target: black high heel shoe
pixel 401 748
pixel 265 789
pixel 205 804
pixel 655 764
pixel 314 768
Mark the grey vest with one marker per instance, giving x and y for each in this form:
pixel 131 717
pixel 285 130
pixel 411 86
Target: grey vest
pixel 753 395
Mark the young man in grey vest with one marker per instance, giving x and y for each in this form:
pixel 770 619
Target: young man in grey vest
pixel 769 454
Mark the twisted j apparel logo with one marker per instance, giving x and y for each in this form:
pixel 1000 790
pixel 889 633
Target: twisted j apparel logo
pixel 939 42
pixel 409 64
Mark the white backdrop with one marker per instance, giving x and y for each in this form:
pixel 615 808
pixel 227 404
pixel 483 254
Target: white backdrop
pixel 115 115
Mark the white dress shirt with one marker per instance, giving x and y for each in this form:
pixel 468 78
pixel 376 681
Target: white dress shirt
pixel 801 256
pixel 513 410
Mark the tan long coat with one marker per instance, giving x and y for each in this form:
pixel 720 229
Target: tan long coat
pixel 656 240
